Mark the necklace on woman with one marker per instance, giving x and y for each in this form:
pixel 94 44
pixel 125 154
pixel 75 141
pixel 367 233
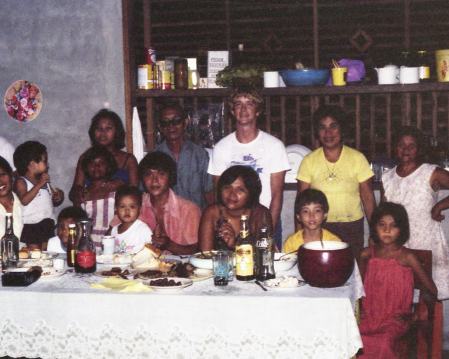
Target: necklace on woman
pixel 331 172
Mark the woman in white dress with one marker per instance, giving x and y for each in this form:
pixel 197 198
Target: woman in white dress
pixel 415 185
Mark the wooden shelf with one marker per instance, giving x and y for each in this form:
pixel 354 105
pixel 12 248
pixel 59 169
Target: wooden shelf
pixel 305 90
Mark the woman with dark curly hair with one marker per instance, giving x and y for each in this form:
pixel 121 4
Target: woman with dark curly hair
pixel 106 130
pixel 238 192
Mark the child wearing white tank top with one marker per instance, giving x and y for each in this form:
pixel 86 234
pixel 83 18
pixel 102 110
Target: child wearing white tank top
pixel 37 196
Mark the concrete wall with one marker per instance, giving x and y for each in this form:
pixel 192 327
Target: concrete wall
pixel 72 49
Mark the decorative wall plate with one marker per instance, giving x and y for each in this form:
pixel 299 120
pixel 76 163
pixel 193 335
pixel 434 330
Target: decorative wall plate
pixel 23 101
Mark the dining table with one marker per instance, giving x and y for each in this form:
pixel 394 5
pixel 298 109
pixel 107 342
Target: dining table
pixel 65 317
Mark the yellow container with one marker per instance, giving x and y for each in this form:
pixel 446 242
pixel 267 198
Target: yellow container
pixel 338 76
pixel 442 61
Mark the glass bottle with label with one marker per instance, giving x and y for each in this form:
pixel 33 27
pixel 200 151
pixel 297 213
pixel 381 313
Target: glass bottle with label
pixel 85 260
pixel 9 245
pixel 71 246
pixel 244 252
pixel 264 256
pixel 423 62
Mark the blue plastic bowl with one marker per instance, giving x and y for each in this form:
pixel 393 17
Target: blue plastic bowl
pixel 305 77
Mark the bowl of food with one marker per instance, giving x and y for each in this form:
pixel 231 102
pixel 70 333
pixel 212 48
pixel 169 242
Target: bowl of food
pixel 284 261
pixel 325 264
pixel 202 259
pixel 305 77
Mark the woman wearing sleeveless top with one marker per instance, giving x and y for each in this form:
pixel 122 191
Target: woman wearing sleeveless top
pixel 238 192
pixel 107 130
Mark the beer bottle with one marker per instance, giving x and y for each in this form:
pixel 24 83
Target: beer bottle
pixel 71 246
pixel 85 260
pixel 9 245
pixel 264 256
pixel 244 252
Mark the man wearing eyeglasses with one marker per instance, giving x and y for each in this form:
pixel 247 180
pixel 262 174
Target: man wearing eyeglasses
pixel 193 183
pixel 249 146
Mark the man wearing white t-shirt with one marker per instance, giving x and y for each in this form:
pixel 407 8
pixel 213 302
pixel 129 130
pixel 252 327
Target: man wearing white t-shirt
pixel 252 147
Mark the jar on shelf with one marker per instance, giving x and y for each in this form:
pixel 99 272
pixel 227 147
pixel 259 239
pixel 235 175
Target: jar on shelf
pixel 181 74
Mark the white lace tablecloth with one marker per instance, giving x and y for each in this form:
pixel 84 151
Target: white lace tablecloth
pixel 65 318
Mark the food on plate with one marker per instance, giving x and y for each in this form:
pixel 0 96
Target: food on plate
pixel 115 272
pixel 24 253
pixel 165 282
pixel 181 270
pixel 201 272
pixel 147 258
pixel 205 255
pixel 36 253
pixel 282 282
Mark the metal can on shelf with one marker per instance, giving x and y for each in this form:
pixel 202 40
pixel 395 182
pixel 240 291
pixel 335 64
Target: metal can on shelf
pixel 143 77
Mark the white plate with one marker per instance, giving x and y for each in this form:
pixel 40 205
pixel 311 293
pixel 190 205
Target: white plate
pixel 185 282
pixel 115 259
pixel 203 263
pixel 295 155
pixel 283 283
pixel 200 274
pixel 52 273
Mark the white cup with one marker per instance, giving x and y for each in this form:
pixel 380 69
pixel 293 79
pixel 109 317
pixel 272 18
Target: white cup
pixel 108 244
pixel 408 75
pixel 58 264
pixel 271 79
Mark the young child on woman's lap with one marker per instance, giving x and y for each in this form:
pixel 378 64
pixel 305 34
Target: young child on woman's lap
pixel 99 165
pixel 69 215
pixel 388 268
pixel 132 233
pixel 37 196
pixel 311 209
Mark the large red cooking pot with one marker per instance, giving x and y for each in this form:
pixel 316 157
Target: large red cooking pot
pixel 326 267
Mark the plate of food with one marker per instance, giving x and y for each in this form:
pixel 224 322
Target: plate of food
pixel 168 284
pixel 168 269
pixel 202 259
pixel 113 272
pixel 284 282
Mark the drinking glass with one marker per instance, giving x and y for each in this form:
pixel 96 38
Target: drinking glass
pixel 220 262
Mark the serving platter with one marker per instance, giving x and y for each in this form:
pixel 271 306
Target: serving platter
pixel 282 283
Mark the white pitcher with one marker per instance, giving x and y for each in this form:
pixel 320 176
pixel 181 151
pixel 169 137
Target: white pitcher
pixel 388 75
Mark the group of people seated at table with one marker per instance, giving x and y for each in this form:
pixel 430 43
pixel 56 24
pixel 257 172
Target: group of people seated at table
pixel 181 201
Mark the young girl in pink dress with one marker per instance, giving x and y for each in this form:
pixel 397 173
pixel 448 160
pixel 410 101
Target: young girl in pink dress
pixel 388 268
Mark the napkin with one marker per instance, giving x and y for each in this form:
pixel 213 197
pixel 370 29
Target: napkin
pixel 121 285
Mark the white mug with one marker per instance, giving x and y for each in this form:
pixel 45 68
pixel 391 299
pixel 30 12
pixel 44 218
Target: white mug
pixel 271 79
pixel 108 244
pixel 408 75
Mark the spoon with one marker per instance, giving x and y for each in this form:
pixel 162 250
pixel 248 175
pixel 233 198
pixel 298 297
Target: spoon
pixel 261 285
pixel 321 241
pixel 284 255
